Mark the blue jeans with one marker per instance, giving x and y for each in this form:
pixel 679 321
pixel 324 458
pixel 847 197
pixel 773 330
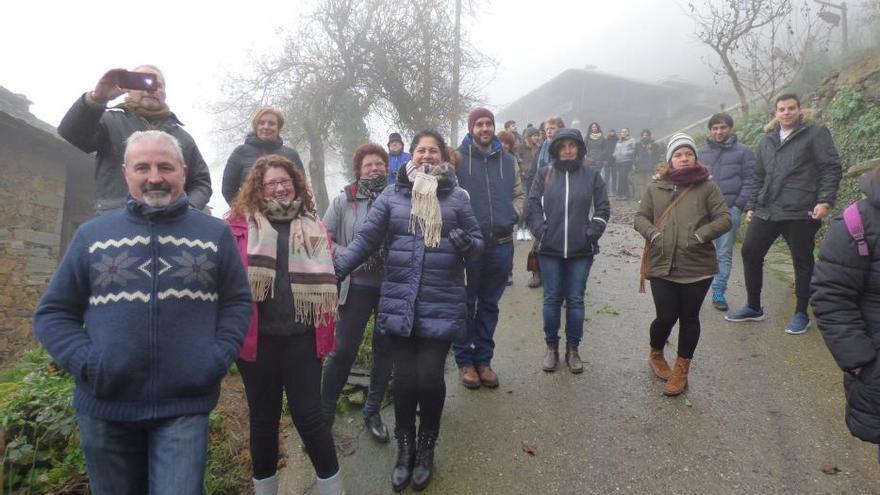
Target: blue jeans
pixel 564 280
pixel 724 249
pixel 159 456
pixel 486 281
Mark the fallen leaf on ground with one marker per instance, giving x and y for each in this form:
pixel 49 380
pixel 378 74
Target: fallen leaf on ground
pixel 830 469
pixel 529 449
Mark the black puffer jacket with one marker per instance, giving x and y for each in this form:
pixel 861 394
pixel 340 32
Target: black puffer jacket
pixel 846 302
pixel 560 200
pixel 791 178
pixel 243 157
pixel 423 292
pixel 105 131
pixel 732 165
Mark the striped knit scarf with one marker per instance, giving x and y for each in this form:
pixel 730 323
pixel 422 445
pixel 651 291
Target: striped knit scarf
pixel 310 264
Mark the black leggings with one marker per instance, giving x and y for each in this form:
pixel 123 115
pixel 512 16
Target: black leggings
pixel 418 381
pixel 678 302
pixel 800 235
pixel 287 364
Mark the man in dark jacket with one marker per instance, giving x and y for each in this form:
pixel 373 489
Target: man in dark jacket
pixel 797 174
pixel 146 311
pixel 646 156
pixel 845 302
pixel 489 175
pixel 731 164
pixel 91 127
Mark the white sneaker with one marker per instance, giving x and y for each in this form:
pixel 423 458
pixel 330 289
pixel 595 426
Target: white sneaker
pixel 527 236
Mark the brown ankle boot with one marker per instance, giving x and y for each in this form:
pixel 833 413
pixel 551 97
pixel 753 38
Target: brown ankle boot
pixel 573 359
pixel 678 381
pixel 551 358
pixel 469 377
pixel 658 364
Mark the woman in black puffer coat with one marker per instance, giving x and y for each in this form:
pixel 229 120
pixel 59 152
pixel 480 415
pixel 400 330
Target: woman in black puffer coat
pixel 429 228
pixel 846 303
pixel 264 140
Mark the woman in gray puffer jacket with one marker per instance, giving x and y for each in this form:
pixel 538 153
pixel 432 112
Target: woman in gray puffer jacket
pixel 429 228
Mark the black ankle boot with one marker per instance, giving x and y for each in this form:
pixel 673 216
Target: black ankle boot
pixel 424 465
pixel 406 454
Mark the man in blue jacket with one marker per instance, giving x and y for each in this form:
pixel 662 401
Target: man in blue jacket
pixel 147 310
pixel 489 175
pixel 396 156
pixel 731 164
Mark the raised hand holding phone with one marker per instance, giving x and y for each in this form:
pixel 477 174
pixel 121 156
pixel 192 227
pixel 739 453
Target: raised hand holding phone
pixel 108 86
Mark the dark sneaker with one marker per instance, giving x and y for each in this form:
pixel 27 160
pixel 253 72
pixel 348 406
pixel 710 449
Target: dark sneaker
pixel 798 325
pixel 746 313
pixel 719 302
pixel 377 428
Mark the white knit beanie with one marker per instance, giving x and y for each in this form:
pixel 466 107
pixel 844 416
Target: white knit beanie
pixel 678 140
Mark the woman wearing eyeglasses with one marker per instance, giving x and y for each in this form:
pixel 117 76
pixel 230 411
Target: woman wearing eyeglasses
pixel 286 251
pixel 265 139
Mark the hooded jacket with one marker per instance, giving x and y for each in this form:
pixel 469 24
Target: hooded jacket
pixel 684 247
pixel 560 201
pixel 732 165
pixel 846 303
pixel 243 157
pixel 423 290
pixel 104 131
pixel 493 183
pixel 793 176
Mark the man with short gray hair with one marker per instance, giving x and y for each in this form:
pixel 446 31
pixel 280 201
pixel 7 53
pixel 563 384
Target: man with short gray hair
pixel 147 310
pixel 92 127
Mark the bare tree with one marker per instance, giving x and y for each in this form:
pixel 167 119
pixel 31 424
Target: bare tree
pixel 726 26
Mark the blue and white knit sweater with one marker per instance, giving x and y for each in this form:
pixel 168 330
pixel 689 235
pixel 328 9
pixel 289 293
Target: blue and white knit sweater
pixel 147 310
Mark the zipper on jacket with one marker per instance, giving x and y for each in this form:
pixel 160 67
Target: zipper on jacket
pixel 489 194
pixel 565 221
pixel 154 310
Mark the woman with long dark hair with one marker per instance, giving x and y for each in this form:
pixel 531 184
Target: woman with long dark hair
pixel 286 251
pixel 682 211
pixel 428 228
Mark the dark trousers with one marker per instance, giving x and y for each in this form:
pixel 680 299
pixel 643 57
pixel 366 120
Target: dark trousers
pixel 360 304
pixel 609 174
pixel 678 302
pixel 800 235
pixel 290 365
pixel 418 381
pixel 624 188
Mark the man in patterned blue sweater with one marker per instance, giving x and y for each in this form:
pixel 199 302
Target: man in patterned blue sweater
pixel 147 310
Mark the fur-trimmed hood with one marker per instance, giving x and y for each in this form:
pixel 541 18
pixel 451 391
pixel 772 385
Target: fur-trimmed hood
pixel 807 117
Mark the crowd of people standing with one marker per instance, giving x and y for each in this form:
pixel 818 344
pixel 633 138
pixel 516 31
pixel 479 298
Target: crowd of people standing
pixel 421 242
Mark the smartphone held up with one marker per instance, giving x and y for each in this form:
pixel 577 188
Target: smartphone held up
pixel 143 81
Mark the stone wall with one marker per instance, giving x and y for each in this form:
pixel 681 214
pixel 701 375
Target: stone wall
pixel 34 171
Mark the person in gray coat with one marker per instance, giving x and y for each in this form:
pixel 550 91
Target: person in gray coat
pixel 359 293
pixel 429 228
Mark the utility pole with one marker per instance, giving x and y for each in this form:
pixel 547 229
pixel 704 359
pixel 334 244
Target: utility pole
pixel 456 76
pixel 836 19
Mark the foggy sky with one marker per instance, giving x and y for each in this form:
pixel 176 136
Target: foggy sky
pixel 53 51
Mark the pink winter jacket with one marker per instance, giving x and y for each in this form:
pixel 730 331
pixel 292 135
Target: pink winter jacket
pixel 324 334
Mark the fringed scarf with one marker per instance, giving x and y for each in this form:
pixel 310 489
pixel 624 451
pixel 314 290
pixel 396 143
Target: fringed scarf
pixel 425 206
pixel 153 118
pixel 312 279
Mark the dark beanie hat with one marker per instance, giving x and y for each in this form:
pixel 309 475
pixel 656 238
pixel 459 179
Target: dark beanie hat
pixel 395 137
pixel 479 113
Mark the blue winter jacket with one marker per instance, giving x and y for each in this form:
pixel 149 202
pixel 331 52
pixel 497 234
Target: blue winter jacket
pixel 491 181
pixel 395 163
pixel 147 310
pixel 423 291
pixel 731 165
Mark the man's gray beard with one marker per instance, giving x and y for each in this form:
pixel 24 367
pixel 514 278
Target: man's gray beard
pixel 157 199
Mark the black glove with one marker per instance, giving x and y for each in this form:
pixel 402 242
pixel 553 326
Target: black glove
pixel 460 240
